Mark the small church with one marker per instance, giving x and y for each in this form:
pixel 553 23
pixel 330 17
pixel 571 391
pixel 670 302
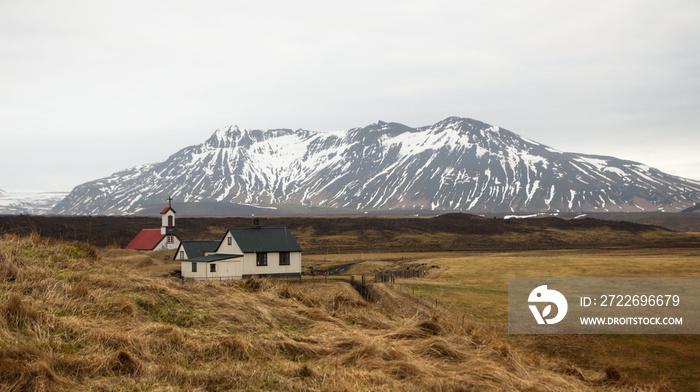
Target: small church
pixel 242 252
pixel 158 239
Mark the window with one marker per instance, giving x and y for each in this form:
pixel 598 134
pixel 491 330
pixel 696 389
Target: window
pixel 230 240
pixel 194 267
pixel 182 256
pixel 261 259
pixel 170 220
pixel 171 239
pixel 212 267
pixel 284 258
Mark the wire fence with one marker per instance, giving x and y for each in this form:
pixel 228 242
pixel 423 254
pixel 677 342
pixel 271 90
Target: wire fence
pixel 362 283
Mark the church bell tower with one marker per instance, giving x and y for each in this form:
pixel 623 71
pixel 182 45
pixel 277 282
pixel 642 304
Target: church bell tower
pixel 167 217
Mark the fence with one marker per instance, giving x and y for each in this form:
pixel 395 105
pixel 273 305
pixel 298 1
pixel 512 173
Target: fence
pixel 431 303
pixel 361 284
pixel 390 276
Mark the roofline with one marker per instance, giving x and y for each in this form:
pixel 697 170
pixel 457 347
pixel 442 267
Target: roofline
pixel 177 250
pixel 285 228
pixel 218 257
pixel 182 242
pixel 257 228
pixel 162 237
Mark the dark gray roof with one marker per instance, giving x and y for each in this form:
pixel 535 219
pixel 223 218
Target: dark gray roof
pixel 213 258
pixel 265 239
pixel 197 248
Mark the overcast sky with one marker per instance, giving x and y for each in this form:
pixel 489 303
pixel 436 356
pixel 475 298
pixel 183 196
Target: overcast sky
pixel 88 88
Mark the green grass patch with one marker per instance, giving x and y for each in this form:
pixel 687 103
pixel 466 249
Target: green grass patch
pixel 171 311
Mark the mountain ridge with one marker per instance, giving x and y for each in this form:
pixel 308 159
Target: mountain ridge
pixel 457 164
pixel 17 201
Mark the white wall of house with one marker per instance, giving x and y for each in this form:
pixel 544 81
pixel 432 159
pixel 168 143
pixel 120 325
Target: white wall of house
pixel 164 244
pixel 225 248
pixel 273 266
pixel 225 269
pixel 186 270
pixel 181 254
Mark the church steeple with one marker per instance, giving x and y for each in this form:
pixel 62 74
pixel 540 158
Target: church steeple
pixel 167 217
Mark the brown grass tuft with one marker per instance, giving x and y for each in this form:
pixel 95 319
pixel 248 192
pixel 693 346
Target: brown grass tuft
pixel 81 250
pixel 9 272
pixel 305 371
pixel 371 349
pixel 298 350
pixel 612 374
pixel 123 363
pixel 342 300
pixel 404 370
pixel 570 370
pixel 230 347
pixel 19 313
pixel 25 369
pixel 79 290
pixel 438 347
pixel 408 333
pixel 255 284
pixel 431 326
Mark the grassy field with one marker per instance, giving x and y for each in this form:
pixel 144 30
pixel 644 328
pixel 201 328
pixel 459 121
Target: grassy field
pixel 475 286
pixel 73 318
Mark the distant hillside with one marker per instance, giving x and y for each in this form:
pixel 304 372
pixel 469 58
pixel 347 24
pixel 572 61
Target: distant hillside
pixel 695 208
pixel 457 164
pixel 363 234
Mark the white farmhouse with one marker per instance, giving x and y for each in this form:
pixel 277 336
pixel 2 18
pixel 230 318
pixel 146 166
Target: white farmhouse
pixel 249 251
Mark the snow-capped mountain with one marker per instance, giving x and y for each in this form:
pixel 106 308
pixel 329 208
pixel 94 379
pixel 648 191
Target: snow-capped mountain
pixel 457 164
pixel 28 202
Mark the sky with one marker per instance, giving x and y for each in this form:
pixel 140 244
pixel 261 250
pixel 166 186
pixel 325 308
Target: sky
pixel 89 88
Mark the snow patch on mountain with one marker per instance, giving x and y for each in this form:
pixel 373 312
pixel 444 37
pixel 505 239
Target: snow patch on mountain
pixel 15 201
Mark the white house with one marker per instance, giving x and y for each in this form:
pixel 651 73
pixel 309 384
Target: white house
pixel 158 239
pixel 250 251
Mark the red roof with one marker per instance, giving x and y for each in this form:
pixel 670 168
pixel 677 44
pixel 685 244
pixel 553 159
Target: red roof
pixel 166 210
pixel 147 239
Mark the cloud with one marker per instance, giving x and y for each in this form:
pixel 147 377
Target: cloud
pixel 557 72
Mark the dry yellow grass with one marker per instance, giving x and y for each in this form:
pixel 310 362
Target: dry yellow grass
pixel 72 319
pixel 476 286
